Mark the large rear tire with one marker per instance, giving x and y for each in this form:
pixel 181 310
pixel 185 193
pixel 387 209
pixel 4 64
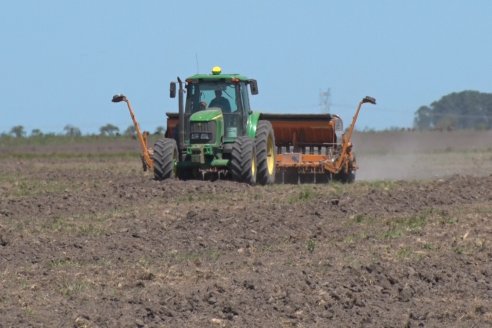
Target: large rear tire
pixel 344 177
pixel 243 161
pixel 165 158
pixel 265 151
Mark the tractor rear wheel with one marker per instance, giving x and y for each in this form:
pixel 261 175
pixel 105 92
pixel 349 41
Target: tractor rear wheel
pixel 165 158
pixel 265 150
pixel 243 160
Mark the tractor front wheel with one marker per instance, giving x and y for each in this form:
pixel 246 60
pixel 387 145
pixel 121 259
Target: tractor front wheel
pixel 265 148
pixel 165 158
pixel 243 160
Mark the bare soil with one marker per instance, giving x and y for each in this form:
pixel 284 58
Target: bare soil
pixel 88 240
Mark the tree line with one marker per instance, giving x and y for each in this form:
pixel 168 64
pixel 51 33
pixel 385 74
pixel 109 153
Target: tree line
pixel 108 130
pixel 457 110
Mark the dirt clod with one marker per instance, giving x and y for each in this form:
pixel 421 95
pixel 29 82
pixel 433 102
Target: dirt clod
pixel 93 242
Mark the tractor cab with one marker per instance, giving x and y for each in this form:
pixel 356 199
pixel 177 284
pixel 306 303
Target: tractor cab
pixel 218 97
pixel 219 101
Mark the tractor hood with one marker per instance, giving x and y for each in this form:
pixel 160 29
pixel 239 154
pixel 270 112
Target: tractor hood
pixel 206 115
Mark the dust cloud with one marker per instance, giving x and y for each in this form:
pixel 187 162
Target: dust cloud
pixel 405 155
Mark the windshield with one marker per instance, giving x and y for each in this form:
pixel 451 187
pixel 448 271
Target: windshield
pixel 211 95
pixel 217 95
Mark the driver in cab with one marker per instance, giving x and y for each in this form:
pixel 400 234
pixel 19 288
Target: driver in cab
pixel 221 102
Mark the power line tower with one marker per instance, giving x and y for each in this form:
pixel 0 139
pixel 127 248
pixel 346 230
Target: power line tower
pixel 325 101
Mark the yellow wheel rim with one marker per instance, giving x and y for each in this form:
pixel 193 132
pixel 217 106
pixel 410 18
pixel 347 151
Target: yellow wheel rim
pixel 253 165
pixel 270 155
pixel 175 163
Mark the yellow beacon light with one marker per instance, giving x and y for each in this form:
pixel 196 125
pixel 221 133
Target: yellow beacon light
pixel 216 70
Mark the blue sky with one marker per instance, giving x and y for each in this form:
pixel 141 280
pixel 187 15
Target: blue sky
pixel 61 61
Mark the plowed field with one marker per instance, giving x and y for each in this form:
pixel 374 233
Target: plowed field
pixel 88 240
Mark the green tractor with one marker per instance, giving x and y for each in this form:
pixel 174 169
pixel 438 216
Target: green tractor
pixel 215 133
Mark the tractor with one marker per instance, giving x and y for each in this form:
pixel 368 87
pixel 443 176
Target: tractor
pixel 216 135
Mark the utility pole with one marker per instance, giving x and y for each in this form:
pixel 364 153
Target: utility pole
pixel 325 101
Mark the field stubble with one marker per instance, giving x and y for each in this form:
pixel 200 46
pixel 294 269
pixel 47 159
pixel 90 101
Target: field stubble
pixel 91 241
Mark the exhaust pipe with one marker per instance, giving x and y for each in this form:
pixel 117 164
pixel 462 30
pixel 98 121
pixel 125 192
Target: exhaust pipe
pixel 181 136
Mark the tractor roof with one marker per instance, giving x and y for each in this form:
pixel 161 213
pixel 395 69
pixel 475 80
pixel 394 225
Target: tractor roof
pixel 217 76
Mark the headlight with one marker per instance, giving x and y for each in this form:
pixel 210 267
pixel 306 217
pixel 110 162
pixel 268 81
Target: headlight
pixel 200 137
pixel 202 132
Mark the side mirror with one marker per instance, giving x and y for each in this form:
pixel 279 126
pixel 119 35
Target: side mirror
pixel 172 90
pixel 253 85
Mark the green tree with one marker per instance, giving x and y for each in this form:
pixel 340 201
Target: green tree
pixel 457 110
pixel 130 131
pixel 159 131
pixel 72 131
pixel 109 130
pixel 36 133
pixel 423 118
pixel 18 131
